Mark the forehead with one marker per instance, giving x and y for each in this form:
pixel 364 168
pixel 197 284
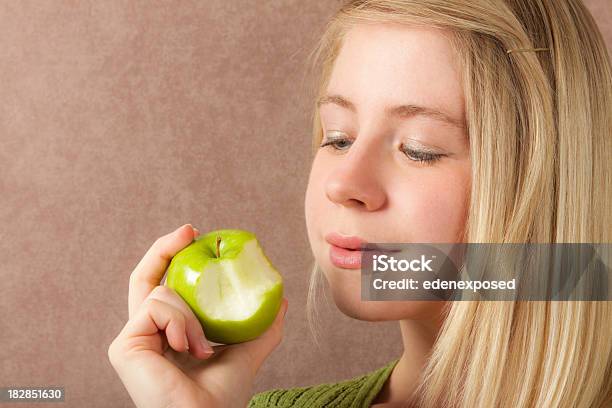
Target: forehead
pixel 388 64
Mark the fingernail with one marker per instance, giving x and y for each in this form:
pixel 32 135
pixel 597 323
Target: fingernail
pixel 207 348
pixel 186 342
pixel 197 231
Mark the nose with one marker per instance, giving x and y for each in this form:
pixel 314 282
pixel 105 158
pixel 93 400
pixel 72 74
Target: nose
pixel 354 182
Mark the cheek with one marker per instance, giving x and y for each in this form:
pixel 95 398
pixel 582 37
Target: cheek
pixel 434 208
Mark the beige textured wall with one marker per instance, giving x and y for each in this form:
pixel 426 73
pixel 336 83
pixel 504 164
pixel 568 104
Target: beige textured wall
pixel 120 121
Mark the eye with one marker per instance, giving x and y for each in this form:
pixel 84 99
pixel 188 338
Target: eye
pixel 421 155
pixel 337 140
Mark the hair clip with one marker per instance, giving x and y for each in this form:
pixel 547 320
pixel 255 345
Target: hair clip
pixel 526 50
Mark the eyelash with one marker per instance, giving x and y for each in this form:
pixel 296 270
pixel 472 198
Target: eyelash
pixel 414 155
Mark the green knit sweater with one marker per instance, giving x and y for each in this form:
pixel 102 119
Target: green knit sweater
pixel 357 392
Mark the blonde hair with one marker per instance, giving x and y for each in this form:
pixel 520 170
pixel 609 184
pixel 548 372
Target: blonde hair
pixel 539 131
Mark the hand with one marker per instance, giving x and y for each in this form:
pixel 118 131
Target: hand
pixel 162 356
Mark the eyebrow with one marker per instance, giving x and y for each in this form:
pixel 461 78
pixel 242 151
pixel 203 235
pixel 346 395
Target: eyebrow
pixel 400 111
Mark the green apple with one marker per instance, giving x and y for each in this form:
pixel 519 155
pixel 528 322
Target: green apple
pixel 229 283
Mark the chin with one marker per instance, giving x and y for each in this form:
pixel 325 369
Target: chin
pixel 362 310
pixel 345 286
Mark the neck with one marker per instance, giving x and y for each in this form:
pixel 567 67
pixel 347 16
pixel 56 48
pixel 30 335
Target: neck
pixel 418 337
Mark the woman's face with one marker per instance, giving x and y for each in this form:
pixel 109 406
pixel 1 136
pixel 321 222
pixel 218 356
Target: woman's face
pixel 397 166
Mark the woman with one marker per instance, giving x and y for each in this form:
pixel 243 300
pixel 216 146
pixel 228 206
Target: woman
pixel 435 121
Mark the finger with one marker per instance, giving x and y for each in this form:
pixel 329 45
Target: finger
pixel 198 344
pixel 151 268
pixel 275 331
pixel 142 330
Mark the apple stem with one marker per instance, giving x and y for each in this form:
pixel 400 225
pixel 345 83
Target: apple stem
pixel 218 242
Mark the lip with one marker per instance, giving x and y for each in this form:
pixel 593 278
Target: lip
pixel 343 241
pixel 344 251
